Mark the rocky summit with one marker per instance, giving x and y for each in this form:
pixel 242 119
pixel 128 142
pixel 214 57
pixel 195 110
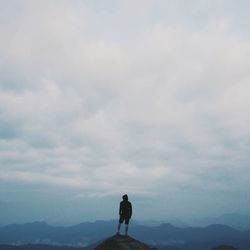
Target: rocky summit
pixel 120 242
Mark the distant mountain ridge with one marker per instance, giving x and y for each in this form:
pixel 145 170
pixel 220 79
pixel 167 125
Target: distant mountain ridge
pixel 238 221
pixel 37 247
pixel 163 236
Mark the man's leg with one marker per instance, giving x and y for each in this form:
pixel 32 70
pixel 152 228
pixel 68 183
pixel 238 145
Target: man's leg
pixel 126 229
pixel 126 225
pixel 121 219
pixel 118 228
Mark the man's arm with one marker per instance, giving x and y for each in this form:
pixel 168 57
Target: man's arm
pixel 120 209
pixel 130 208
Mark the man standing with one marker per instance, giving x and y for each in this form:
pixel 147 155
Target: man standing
pixel 125 213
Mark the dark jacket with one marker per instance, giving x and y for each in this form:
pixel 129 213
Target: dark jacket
pixel 125 209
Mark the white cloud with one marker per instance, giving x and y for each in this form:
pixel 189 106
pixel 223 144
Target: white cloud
pixel 164 105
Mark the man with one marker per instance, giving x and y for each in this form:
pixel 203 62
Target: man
pixel 125 213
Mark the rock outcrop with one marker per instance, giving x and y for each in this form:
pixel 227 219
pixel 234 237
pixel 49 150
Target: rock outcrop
pixel 120 242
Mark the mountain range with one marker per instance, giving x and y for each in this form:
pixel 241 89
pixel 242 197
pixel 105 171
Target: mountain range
pixel 164 236
pixel 238 221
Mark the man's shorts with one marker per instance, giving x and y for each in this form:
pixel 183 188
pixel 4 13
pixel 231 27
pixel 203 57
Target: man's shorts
pixel 124 218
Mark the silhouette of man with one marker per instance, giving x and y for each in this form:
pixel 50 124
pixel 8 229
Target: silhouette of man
pixel 125 212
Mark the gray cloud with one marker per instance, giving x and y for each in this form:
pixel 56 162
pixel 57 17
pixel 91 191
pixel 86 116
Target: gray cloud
pixel 150 104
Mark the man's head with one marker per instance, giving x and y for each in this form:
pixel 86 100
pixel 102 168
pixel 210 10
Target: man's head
pixel 125 197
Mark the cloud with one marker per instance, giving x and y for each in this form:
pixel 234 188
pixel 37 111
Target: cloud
pixel 104 107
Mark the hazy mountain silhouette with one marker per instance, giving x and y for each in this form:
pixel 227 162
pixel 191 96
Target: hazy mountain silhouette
pixel 37 247
pixel 112 243
pixel 223 247
pixel 40 232
pixel 238 221
pixel 164 236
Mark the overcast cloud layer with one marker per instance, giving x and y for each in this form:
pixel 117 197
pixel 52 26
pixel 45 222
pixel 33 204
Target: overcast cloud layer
pixel 147 97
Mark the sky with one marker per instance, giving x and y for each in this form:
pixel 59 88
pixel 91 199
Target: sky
pixel 145 97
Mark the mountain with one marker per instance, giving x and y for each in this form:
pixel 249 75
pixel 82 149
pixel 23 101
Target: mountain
pixel 192 238
pixel 223 247
pixel 122 243
pixel 41 233
pixel 37 247
pixel 238 221
pixel 112 243
pixel 163 237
